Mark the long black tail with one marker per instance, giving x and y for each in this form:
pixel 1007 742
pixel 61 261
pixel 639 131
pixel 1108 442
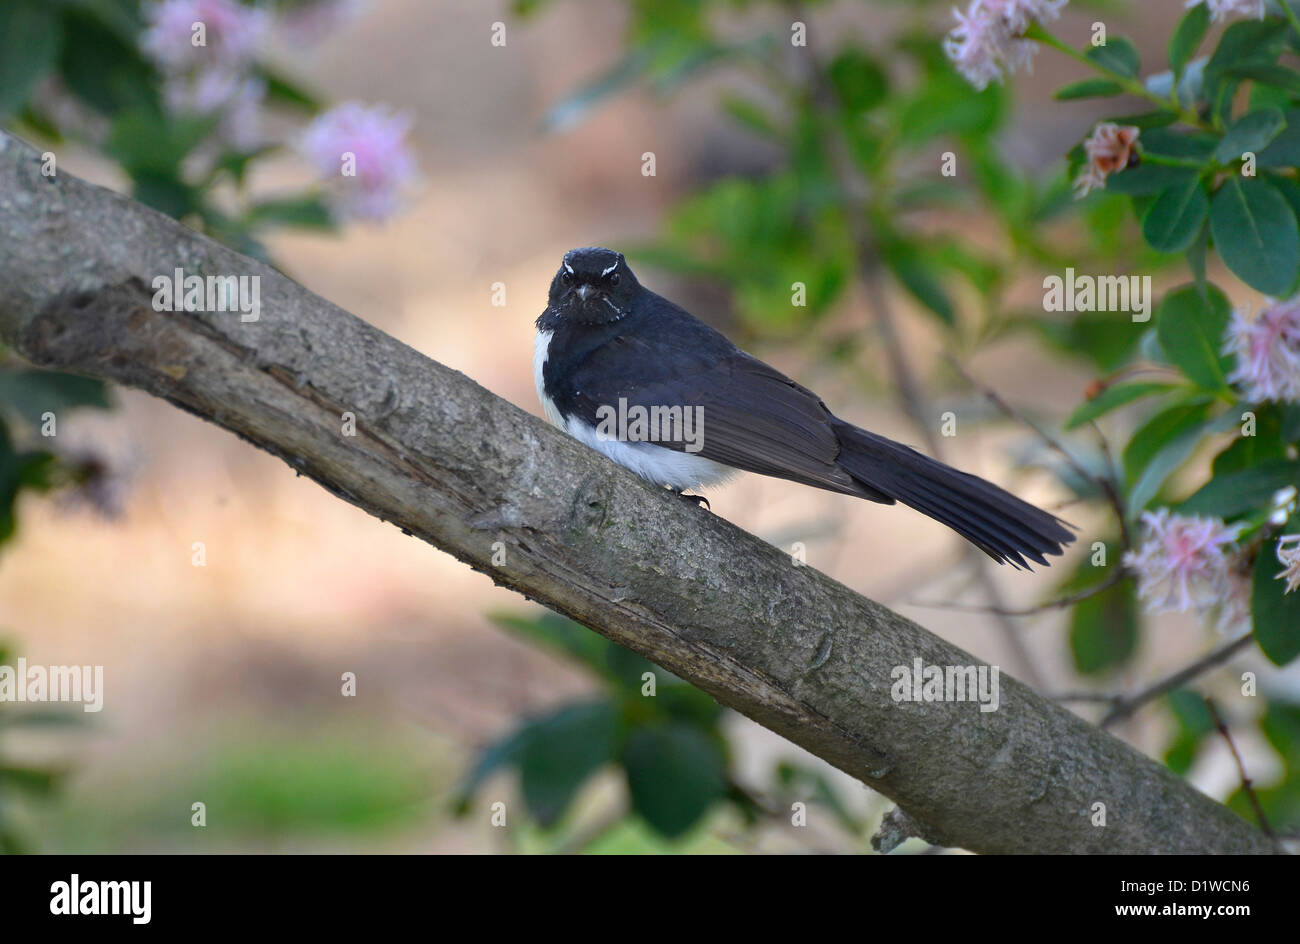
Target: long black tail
pixel 994 520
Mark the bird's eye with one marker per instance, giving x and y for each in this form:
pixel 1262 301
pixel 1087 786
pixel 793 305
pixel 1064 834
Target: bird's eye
pixel 566 278
pixel 613 279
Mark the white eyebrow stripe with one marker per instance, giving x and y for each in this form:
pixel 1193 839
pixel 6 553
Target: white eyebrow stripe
pixel 568 268
pixel 609 270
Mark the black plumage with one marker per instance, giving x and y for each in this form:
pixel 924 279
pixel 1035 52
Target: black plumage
pixel 611 338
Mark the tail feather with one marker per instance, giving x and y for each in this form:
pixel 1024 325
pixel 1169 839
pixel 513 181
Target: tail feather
pixel 994 520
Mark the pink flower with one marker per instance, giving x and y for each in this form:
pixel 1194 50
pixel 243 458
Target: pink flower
pixel 1234 610
pixel 986 42
pixel 213 78
pixel 1222 9
pixel 1288 555
pixel 235 99
pixel 231 33
pixel 1187 563
pixel 364 154
pixel 1268 352
pixel 1109 149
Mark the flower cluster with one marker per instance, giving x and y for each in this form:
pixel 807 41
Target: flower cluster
pixel 205 49
pixel 1222 9
pixel 193 35
pixel 365 155
pixel 1190 564
pixel 1268 352
pixel 988 38
pixel 1110 148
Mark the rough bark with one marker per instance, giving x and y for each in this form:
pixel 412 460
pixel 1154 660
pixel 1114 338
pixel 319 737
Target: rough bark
pixel 446 460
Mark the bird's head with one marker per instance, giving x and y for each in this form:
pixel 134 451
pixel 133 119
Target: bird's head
pixel 593 286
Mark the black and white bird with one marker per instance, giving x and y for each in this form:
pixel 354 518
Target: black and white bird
pixel 607 345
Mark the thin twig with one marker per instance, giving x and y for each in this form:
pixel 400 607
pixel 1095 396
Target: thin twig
pixel 822 97
pixel 913 403
pixel 1090 697
pixel 1124 707
pixel 1114 577
pixel 1111 488
pixel 1246 785
pixel 1104 482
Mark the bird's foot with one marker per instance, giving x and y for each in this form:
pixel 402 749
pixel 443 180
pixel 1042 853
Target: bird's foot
pixel 698 499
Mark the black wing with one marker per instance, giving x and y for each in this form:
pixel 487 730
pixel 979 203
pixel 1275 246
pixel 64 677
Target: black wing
pixel 754 417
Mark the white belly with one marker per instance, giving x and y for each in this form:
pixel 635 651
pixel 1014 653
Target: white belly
pixel 679 470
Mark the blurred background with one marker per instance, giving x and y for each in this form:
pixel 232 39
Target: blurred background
pixel 222 682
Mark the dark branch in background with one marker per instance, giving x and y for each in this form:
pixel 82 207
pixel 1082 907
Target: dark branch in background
pixel 1247 785
pixel 871 276
pixel 1105 483
pixel 447 461
pixel 1124 706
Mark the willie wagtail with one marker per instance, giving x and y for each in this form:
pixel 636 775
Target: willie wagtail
pixel 636 377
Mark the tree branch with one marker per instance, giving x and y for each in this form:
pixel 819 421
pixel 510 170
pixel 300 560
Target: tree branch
pixel 446 460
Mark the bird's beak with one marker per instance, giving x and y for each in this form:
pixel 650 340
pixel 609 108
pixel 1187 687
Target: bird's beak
pixel 583 291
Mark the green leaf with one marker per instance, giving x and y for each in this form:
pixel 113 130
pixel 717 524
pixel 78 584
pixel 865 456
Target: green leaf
pixel 945 104
pixel 1153 120
pixel 1149 179
pixel 29 48
pixel 558 634
pixel 166 193
pixel 1246 452
pixel 1190 328
pixel 1196 255
pixel 572 110
pixel 1118 55
pixel 1195 724
pixel 282 90
pixel 921 279
pixel 1284 151
pixel 1112 398
pixel 19 470
pixel 1281 726
pixel 858 80
pixel 308 211
pixel 1088 88
pixel 1276 615
pixel 1175 450
pixel 104 68
pixel 147 143
pixel 1175 219
pixel 752 116
pixel 1247 490
pixel 1104 628
pixel 1267 96
pixel 30 779
pixel 1108 339
pixel 674 774
pixel 561 752
pixel 1255 233
pixel 1187 37
pixel 30 393
pixel 1252 132
pixel 1156 432
pixel 503 753
pixel 1246 42
pixel 1274 76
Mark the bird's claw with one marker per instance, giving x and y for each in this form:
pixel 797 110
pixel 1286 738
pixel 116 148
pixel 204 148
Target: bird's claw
pixel 698 499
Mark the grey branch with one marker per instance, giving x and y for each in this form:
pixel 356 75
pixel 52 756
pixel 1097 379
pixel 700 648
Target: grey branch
pixel 446 460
